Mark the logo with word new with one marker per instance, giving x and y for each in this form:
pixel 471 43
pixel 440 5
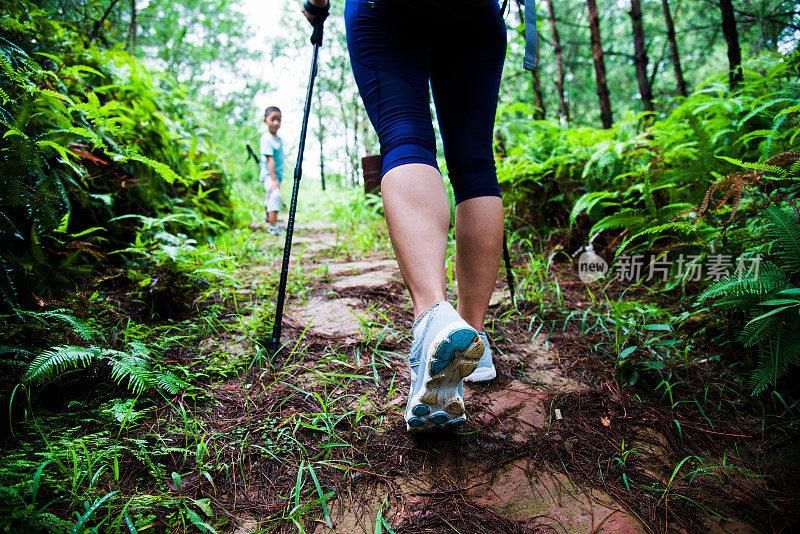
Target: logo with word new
pixel 591 267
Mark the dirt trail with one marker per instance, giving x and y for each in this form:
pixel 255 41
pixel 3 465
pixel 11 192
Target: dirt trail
pixel 483 481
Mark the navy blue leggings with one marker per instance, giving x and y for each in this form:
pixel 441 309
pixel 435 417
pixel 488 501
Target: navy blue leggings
pixel 395 52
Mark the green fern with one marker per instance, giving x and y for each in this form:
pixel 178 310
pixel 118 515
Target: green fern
pixel 776 355
pixel 755 166
pixel 625 218
pixel 130 368
pixel 57 360
pixel 52 318
pixel 705 147
pixel 588 201
pixel 679 227
pixel 771 300
pixel 785 231
pixel 771 279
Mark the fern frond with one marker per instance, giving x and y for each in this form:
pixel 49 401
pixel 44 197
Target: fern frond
pixel 163 170
pixel 755 331
pixel 765 372
pixel 681 227
pixel 674 210
pixel 57 360
pixel 755 166
pixel 790 350
pixel 587 202
pixel 785 230
pixel 627 218
pixel 168 382
pixel 776 126
pixel 133 366
pixel 770 280
pixel 62 316
pixel 705 147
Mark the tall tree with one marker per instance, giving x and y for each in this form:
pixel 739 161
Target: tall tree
pixel 538 95
pixel 321 139
pixel 640 56
pixel 562 101
pixel 732 39
pixel 599 65
pixel 673 49
pixel 131 39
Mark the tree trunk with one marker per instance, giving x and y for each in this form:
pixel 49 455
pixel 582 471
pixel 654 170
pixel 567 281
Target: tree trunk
pixel 536 84
pixel 732 38
pixel 599 65
pixel 538 96
pixel 354 162
pixel 563 109
pixel 673 49
pixel 321 139
pixel 640 56
pixel 132 28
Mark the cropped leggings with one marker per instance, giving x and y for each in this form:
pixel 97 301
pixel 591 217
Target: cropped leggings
pixel 397 52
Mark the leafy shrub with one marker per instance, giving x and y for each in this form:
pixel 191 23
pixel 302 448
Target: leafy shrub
pixel 132 367
pixel 87 136
pixel 771 300
pixel 648 185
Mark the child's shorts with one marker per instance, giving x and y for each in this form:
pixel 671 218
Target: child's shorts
pixel 396 52
pixel 273 200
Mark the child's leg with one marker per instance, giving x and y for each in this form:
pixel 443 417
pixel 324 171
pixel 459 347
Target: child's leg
pixel 273 205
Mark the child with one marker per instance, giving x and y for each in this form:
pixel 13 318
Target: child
pixel 271 150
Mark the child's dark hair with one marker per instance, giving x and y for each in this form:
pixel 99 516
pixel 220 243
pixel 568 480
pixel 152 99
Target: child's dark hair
pixel 270 110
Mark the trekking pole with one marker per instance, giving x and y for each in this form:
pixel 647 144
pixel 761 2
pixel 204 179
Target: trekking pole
pixel 316 40
pixel 251 154
pixel 509 273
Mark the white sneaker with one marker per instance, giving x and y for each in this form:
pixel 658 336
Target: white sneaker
pixel 485 370
pixel 444 351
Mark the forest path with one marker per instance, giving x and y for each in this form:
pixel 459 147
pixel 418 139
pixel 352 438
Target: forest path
pixel 488 479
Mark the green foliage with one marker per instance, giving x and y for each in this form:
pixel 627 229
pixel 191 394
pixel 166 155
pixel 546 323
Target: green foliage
pixel 771 300
pixel 703 178
pixel 132 367
pixel 653 186
pixel 88 136
pixel 360 217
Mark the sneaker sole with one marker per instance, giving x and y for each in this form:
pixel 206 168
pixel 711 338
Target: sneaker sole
pixel 482 375
pixel 454 354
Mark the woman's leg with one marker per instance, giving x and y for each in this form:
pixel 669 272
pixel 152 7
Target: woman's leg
pixel 466 66
pixel 479 239
pixel 391 67
pixel 390 59
pixel 418 216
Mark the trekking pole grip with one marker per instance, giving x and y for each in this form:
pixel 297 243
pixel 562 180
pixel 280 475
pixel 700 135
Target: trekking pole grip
pixel 316 35
pixel 319 14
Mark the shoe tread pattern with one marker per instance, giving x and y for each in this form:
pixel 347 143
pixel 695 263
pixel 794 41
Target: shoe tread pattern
pixel 440 404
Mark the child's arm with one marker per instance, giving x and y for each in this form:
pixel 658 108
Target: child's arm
pixel 268 172
pixel 272 175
